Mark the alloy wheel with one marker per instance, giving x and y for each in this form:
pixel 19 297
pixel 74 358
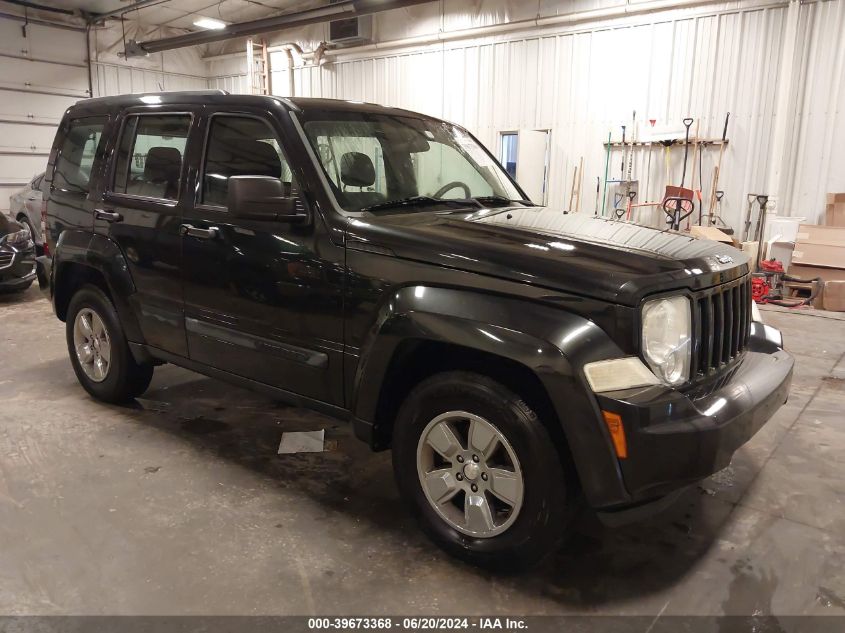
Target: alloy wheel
pixel 470 474
pixel 92 344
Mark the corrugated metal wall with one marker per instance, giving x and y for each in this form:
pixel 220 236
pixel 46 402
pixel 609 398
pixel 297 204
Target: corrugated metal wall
pixel 816 144
pixel 45 72
pixel 115 79
pixel 180 69
pixel 584 81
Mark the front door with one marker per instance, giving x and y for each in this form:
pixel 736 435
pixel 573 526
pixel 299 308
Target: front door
pixel 263 299
pixel 141 211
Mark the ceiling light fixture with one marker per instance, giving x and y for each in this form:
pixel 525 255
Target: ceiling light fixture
pixel 210 23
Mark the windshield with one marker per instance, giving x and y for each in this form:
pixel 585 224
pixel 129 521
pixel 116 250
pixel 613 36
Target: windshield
pixel 374 160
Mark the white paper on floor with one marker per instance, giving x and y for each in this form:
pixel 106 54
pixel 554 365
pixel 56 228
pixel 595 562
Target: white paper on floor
pixel 302 442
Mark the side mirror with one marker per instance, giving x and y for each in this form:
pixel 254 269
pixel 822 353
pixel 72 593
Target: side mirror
pixel 263 198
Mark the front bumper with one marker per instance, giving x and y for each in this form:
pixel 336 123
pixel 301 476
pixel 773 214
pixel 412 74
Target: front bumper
pixel 20 272
pixel 676 438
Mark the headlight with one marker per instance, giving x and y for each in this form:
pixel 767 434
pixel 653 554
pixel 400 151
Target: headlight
pixel 666 340
pixel 18 238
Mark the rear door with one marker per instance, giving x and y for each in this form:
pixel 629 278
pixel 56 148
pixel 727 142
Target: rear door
pixel 263 299
pixel 142 209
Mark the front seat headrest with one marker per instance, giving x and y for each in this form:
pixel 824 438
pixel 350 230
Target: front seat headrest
pixel 357 170
pixel 163 165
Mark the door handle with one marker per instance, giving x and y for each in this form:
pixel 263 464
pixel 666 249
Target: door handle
pixel 108 216
pixel 204 234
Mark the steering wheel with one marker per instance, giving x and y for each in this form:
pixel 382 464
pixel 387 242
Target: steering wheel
pixel 452 185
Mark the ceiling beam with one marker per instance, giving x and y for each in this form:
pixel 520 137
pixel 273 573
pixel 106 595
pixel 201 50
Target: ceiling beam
pixel 140 4
pixel 40 7
pixel 346 9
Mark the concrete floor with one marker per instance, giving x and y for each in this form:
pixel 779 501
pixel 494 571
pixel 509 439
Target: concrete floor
pixel 180 505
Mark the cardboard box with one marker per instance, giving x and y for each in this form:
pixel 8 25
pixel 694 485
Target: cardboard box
pixel 834 214
pixel 710 233
pixel 833 296
pixel 811 272
pixel 819 255
pixel 834 280
pixel 820 246
pixel 817 234
pixel 833 198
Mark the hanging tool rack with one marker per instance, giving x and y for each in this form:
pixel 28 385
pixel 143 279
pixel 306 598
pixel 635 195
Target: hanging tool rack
pixel 630 146
pixel 680 143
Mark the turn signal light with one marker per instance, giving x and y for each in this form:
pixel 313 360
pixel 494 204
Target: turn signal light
pixel 617 433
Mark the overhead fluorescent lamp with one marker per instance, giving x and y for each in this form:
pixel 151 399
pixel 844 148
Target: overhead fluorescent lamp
pixel 210 23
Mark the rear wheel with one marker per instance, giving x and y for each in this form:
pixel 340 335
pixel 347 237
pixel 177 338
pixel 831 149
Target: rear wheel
pixel 98 349
pixel 480 471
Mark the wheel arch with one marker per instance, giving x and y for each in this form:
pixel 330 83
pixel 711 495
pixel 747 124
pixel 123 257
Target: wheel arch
pixel 81 258
pixel 421 332
pixel 416 359
pixel 70 276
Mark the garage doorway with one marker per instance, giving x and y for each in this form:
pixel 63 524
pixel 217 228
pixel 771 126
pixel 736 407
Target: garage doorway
pixel 525 156
pixel 507 152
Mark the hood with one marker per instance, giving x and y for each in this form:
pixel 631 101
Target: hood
pixel 580 254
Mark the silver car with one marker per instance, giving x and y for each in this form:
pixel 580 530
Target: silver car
pixel 25 207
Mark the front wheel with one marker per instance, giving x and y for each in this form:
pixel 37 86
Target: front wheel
pixel 98 349
pixel 480 471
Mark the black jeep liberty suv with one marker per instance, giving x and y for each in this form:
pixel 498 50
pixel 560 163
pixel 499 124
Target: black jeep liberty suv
pixel 380 266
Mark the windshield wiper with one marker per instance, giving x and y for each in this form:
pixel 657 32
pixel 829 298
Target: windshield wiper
pixel 413 201
pixel 488 199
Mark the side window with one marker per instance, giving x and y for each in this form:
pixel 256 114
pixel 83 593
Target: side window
pixel 76 157
pixel 335 150
pixel 149 157
pixel 240 146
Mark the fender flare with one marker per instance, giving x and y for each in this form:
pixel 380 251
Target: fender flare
pixel 557 345
pixel 103 255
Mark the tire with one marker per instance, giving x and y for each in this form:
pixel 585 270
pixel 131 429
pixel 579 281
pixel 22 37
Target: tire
pixel 526 529
pixel 123 378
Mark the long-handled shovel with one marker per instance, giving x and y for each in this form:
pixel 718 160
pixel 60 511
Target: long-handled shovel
pixel 695 159
pixel 687 123
pixel 715 187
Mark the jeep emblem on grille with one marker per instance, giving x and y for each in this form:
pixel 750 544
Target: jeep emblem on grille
pixel 724 259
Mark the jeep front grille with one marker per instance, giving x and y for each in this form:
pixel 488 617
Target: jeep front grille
pixel 721 318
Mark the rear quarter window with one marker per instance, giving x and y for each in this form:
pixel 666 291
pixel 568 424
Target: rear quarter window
pixel 81 145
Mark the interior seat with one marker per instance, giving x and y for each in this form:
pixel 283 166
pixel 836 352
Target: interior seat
pixel 357 170
pixel 161 174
